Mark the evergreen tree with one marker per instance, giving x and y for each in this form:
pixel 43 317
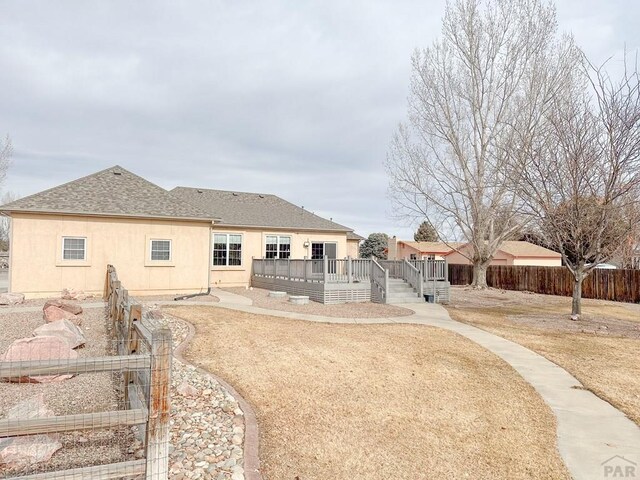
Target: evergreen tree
pixel 425 233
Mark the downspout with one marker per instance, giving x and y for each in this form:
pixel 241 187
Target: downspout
pixel 208 292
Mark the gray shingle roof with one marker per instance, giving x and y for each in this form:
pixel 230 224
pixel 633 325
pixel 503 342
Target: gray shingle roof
pixel 354 236
pixel 254 210
pixel 114 191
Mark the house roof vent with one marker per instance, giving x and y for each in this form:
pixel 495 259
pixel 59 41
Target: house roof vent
pixel 117 171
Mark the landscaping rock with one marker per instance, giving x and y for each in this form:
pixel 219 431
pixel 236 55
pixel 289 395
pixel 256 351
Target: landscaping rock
pixel 187 390
pixel 11 298
pixel 70 294
pixel 299 299
pixel 53 314
pixel 277 294
pixel 66 305
pixel 63 329
pixel 40 348
pixel 20 452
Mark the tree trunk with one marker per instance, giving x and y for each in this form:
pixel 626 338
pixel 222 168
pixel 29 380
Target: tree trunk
pixel 479 275
pixel 576 304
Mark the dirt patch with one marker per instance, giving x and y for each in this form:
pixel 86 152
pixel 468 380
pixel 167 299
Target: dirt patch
pixel 84 393
pixel 345 401
pixel 261 299
pixel 601 349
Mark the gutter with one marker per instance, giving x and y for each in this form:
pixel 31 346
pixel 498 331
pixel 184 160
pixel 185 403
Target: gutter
pixel 208 292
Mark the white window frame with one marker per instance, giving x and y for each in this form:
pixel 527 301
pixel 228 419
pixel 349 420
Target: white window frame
pixel 151 259
pixel 84 250
pixel 226 265
pixel 278 238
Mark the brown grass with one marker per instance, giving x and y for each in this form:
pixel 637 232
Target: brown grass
pixel 601 350
pixel 338 401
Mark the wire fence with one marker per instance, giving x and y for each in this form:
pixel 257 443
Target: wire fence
pixel 88 395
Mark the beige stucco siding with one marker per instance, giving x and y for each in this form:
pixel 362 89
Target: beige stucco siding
pixel 37 268
pixel 538 261
pixel 353 248
pixel 253 246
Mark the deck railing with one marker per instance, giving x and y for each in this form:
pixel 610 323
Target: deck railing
pixel 432 269
pixel 413 277
pixel 379 280
pixel 326 270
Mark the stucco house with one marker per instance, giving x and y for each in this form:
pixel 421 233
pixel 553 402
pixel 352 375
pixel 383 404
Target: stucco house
pixel 509 253
pixel 181 241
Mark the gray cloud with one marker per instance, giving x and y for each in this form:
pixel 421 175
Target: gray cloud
pixel 299 99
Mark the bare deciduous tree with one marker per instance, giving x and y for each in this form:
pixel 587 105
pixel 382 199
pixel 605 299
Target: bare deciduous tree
pixel 6 150
pixel 583 176
pixel 5 159
pixel 477 98
pixel 5 222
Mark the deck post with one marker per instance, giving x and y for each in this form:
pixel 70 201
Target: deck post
pixel 325 269
pixel 304 269
pixel 446 270
pixel 289 268
pixel 386 285
pixel 349 270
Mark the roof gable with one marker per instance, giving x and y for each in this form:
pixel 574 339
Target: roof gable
pixel 241 209
pixel 515 248
pixel 111 192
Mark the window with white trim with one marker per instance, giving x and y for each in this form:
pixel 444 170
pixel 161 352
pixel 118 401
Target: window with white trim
pixel 277 246
pixel 161 250
pixel 74 248
pixel 227 249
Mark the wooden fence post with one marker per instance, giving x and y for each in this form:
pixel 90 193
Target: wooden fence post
pixel 157 444
pixel 131 346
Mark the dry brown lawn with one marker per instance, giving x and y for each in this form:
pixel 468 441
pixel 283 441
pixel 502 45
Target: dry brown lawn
pixel 601 350
pixel 344 401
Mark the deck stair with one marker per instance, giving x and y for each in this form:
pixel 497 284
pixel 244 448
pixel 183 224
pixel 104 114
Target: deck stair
pixel 401 292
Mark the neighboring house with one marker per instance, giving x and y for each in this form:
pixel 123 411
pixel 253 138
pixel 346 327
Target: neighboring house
pixel 509 253
pixel 181 242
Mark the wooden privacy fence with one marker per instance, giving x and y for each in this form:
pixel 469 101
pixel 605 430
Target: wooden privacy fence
pixel 144 359
pixel 604 284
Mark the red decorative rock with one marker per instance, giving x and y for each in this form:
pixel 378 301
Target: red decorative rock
pixel 66 305
pixel 20 452
pixel 187 390
pixel 40 348
pixel 63 329
pixel 70 294
pixel 53 314
pixel 11 298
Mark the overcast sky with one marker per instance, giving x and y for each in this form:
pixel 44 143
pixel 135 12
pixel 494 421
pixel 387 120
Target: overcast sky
pixel 299 99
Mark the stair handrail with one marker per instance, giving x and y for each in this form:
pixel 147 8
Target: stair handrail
pixel 380 278
pixel 413 277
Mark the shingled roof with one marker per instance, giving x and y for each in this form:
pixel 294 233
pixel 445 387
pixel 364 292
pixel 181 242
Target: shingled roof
pixel 242 209
pixel 111 192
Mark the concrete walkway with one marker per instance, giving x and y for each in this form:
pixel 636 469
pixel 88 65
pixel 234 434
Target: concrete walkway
pixel 18 308
pixel 595 439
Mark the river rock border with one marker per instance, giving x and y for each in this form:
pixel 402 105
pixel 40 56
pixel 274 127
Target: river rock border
pixel 251 438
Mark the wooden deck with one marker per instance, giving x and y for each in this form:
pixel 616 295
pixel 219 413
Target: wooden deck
pixel 348 280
